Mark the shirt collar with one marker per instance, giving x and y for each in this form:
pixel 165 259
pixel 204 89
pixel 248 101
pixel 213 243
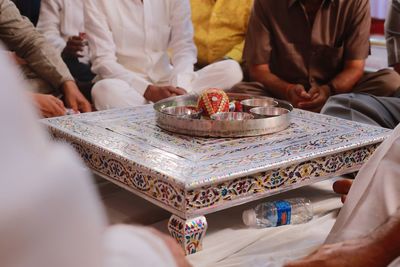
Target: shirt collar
pixel 292 2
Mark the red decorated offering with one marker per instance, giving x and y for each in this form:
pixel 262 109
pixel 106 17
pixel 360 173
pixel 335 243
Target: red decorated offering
pixel 212 101
pixel 235 106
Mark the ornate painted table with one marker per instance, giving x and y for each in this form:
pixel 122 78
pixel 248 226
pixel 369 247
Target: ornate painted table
pixel 191 177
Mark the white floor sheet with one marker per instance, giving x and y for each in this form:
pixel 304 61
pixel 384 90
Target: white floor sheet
pixel 228 242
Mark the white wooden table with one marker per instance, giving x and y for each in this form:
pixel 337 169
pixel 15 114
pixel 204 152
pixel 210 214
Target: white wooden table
pixel 191 177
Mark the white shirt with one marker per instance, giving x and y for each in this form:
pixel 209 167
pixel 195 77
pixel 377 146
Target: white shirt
pixel 379 8
pixel 61 19
pixel 50 214
pixel 131 40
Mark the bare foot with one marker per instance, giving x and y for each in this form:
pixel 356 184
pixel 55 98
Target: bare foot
pixel 342 187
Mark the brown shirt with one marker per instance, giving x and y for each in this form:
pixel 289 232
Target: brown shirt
pixel 280 35
pixel 20 36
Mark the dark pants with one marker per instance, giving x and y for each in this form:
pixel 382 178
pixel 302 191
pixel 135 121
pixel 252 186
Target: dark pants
pixel 29 9
pixel 365 108
pixel 80 71
pixel 82 74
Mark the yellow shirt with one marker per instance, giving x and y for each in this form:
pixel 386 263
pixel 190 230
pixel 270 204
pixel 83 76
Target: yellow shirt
pixel 220 27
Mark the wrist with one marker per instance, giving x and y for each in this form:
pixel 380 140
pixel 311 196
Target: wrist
pixel 148 92
pixel 68 88
pixel 332 88
pixel 288 89
pixel 66 85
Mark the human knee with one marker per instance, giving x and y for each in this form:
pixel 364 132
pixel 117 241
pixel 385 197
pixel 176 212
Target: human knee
pixel 104 91
pixel 390 81
pixel 105 86
pixel 335 104
pixel 233 70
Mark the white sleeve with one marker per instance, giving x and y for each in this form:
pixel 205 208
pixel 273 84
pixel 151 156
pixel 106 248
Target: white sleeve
pixel 50 214
pixel 126 245
pixel 49 23
pixel 184 52
pixel 374 196
pixel 103 49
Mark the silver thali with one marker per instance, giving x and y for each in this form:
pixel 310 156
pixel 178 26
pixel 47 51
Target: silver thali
pixel 219 128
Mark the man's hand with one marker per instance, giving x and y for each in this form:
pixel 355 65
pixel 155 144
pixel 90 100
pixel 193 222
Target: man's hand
pixel 156 93
pixel 319 96
pixel 297 94
pixel 176 250
pixel 73 97
pixel 353 253
pixel 342 187
pixel 49 106
pixel 74 47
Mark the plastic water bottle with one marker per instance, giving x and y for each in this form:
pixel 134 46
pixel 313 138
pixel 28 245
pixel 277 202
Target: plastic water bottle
pixel 277 213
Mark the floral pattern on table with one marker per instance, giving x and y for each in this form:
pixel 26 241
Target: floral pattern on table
pixel 276 180
pixel 192 176
pixel 132 134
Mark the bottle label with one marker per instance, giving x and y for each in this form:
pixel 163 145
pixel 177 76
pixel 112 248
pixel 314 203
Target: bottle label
pixel 284 211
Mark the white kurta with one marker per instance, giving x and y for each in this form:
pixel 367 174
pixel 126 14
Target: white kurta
pixel 61 19
pixel 374 195
pixel 50 214
pixel 135 44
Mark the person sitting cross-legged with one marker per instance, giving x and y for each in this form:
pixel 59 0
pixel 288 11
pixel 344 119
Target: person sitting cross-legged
pixel 366 108
pixel 305 51
pixel 62 23
pixel 143 51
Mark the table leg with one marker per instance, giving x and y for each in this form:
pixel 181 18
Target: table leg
pixel 188 232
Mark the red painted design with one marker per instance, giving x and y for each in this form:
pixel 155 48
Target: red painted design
pixel 212 101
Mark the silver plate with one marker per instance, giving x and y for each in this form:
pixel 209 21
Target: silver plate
pixel 214 128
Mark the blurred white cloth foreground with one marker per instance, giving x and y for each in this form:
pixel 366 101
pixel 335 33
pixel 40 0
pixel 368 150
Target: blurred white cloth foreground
pixel 50 214
pixel 374 196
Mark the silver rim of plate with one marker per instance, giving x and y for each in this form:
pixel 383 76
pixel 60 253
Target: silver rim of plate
pixel 219 128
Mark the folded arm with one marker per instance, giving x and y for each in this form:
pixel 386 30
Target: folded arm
pixel 20 36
